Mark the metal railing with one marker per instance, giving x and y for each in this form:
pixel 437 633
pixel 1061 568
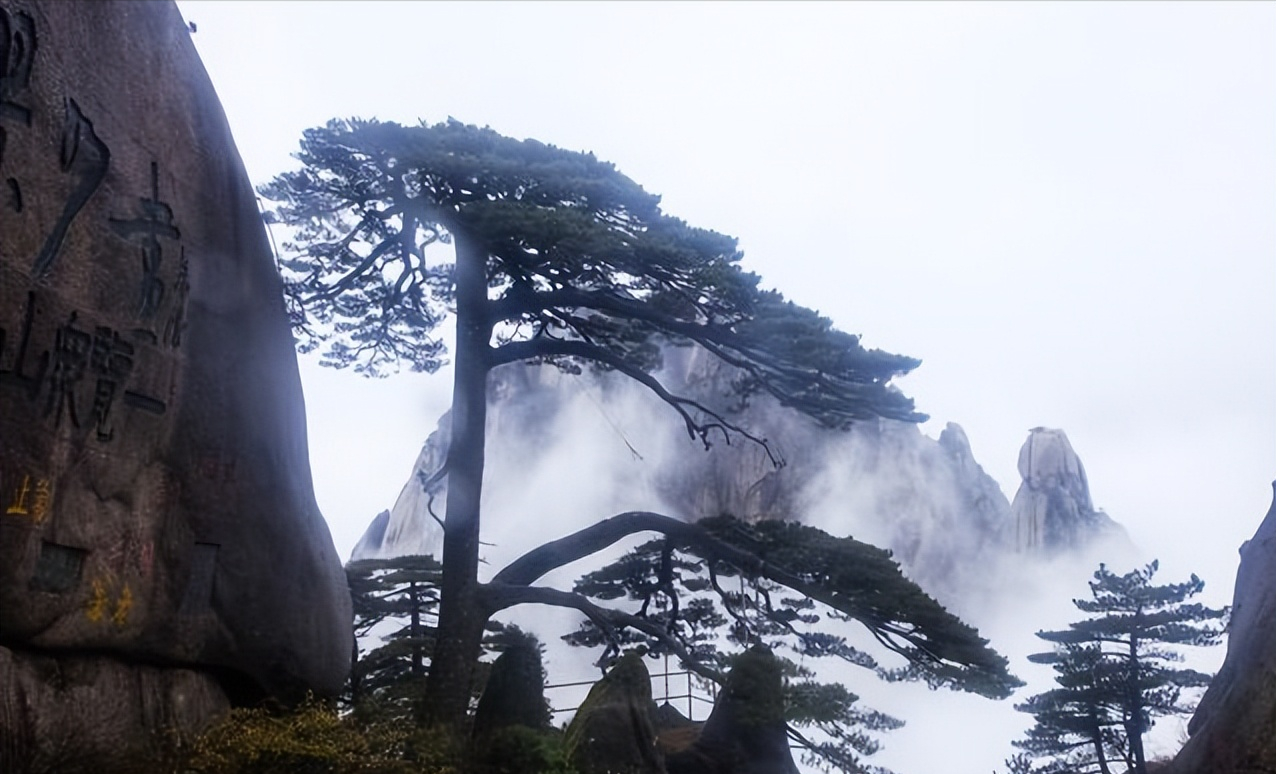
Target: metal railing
pixel 691 696
pixel 661 691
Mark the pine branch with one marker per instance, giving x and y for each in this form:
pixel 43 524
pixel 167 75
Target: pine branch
pixel 696 428
pixel 499 596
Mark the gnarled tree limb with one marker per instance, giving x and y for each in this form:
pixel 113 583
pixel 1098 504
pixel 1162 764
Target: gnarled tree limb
pixel 498 596
pixel 534 564
pixel 696 428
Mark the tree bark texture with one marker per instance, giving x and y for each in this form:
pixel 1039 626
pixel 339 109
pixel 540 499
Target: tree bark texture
pixel 461 616
pixel 1098 751
pixel 1134 731
pixel 418 658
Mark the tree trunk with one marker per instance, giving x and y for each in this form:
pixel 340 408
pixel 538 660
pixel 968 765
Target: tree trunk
pixel 1098 751
pixel 1135 730
pixel 1135 734
pixel 461 616
pixel 418 658
pixel 356 679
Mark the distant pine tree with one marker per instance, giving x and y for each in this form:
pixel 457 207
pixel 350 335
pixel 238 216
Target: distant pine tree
pixel 1116 674
pixel 397 601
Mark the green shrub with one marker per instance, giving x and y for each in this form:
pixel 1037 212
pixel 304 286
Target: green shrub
pixel 312 739
pixel 521 750
pixel 372 739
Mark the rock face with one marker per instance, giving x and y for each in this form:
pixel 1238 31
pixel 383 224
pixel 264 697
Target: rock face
pixel 1231 731
pixel 1052 510
pixel 50 704
pixel 523 400
pixel 515 691
pixel 745 733
pixel 157 506
pixel 927 500
pixel 674 731
pixel 885 482
pixel 612 732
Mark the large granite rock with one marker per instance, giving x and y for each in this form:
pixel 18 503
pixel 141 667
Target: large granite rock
pixel 156 504
pixel 1232 729
pixel 745 733
pixel 612 732
pixel 927 500
pixel 1052 511
pixel 70 714
pixel 514 694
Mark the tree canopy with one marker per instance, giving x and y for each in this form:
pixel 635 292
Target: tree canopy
pixel 580 264
pixel 399 597
pixel 1116 672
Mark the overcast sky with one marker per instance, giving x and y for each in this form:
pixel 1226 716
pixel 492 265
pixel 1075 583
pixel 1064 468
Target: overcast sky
pixel 1067 211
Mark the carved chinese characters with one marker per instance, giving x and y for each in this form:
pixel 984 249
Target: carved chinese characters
pixel 87 358
pixel 17 52
pixel 29 497
pixel 155 497
pixel 85 158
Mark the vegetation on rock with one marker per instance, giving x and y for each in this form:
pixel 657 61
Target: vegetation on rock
pixel 309 738
pixel 315 738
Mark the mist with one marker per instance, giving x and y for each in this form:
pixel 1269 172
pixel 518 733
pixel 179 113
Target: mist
pixel 565 451
pixel 1064 210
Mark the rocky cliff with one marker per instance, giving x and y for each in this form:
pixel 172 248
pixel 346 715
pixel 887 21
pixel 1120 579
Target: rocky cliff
pixel 1231 731
pixel 1052 510
pixel 160 546
pixel 926 499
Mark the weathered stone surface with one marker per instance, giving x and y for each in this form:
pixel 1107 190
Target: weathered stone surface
pixel 745 733
pixel 521 400
pixel 96 714
pixel 155 497
pixel 675 732
pixel 612 732
pixel 1232 729
pixel 369 545
pixel 515 690
pixel 1052 510
pixel 408 529
pixel 928 501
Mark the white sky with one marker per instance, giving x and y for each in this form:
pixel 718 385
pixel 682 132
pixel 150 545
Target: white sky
pixel 1067 211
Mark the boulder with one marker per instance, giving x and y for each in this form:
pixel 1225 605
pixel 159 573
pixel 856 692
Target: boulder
pixel 512 731
pixel 1052 511
pixel 1231 730
pixel 612 732
pixel 156 505
pixel 745 733
pixel 515 691
pixel 675 732
pixel 71 714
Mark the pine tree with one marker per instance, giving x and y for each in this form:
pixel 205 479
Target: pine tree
pixel 395 605
pixel 1116 673
pixel 557 258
